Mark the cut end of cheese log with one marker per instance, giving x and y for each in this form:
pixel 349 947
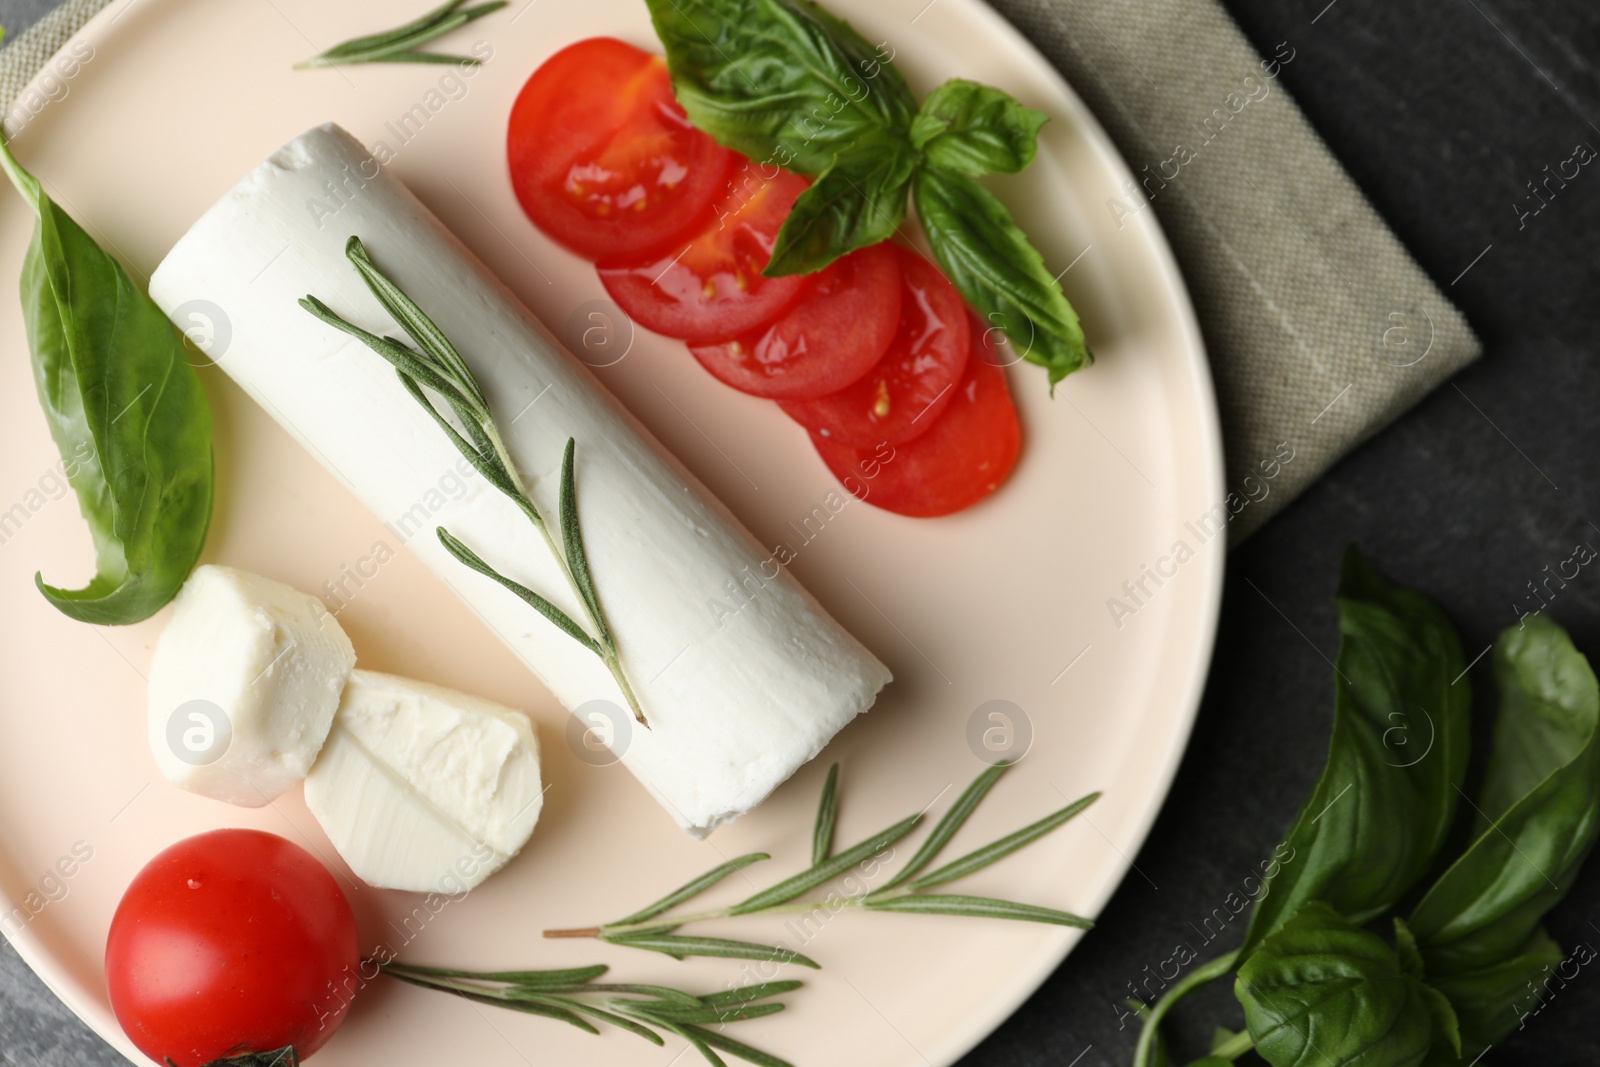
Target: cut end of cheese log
pixel 735 703
pixel 244 685
pixel 423 788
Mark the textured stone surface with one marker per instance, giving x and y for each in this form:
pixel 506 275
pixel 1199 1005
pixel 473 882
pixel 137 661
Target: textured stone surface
pixel 1441 111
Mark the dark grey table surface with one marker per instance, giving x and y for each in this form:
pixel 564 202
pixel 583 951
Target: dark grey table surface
pixel 1443 110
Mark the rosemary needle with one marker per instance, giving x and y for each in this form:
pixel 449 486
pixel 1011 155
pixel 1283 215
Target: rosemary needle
pixel 435 366
pixel 400 44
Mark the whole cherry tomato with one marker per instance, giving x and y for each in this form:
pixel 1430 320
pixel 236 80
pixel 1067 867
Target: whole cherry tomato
pixel 231 942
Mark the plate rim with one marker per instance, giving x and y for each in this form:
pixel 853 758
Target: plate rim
pixel 30 946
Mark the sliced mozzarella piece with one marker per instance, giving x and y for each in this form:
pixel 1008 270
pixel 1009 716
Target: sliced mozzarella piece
pixel 736 701
pixel 243 687
pixel 423 788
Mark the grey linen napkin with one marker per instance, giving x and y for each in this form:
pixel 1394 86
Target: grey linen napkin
pixel 1321 329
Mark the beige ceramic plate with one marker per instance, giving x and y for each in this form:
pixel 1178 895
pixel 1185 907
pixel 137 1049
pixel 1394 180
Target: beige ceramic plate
pixel 1007 602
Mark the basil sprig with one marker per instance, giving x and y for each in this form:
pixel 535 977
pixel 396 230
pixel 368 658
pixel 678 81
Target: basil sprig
pixel 790 85
pixel 1466 967
pixel 126 411
pixel 1381 810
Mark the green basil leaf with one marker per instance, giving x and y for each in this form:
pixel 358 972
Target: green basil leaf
pixel 1446 1024
pixel 1548 714
pixel 1492 1001
pixel 781 81
pixel 858 201
pixel 1322 992
pixel 1542 790
pixel 999 273
pixel 1396 758
pixel 976 129
pixel 1405 946
pixel 126 411
pixel 891 96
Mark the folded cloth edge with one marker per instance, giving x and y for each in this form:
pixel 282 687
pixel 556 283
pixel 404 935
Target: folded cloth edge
pixel 1321 328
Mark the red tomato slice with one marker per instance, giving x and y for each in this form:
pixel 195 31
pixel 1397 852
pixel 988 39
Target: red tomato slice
pixel 902 396
pixel 228 942
pixel 602 157
pixel 964 456
pixel 832 336
pixel 712 288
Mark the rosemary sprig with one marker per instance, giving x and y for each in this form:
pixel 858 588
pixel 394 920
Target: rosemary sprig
pixel 652 929
pixel 574 997
pixel 439 368
pixel 400 44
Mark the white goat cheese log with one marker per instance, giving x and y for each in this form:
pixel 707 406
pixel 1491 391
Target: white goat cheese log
pixel 735 705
